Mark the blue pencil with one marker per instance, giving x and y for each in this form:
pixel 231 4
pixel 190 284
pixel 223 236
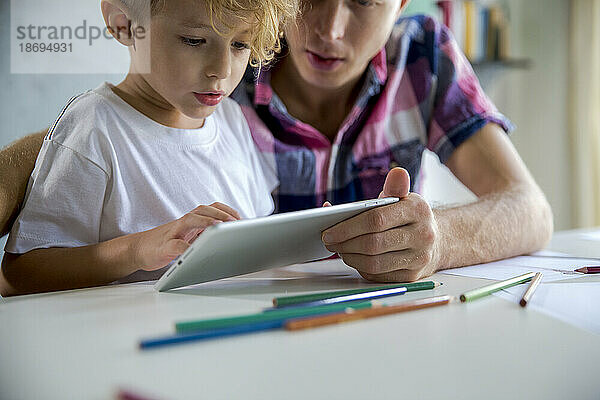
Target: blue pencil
pixel 272 322
pixel 211 334
pixel 377 294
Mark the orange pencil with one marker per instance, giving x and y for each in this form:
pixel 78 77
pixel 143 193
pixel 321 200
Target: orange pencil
pixel 313 322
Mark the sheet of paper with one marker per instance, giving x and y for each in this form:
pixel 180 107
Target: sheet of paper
pixel 576 303
pixel 553 269
pixel 595 236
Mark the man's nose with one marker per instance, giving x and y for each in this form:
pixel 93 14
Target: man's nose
pixel 331 17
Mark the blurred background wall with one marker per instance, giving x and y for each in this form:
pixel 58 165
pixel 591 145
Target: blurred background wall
pixel 534 98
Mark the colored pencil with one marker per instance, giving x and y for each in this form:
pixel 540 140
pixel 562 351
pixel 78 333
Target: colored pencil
pixel 313 322
pixel 277 315
pixel 489 289
pixel 281 302
pixel 210 334
pixel 589 270
pixel 531 289
pixel 377 294
pixel 128 395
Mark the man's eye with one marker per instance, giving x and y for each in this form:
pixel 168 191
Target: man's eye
pixel 365 3
pixel 240 45
pixel 191 41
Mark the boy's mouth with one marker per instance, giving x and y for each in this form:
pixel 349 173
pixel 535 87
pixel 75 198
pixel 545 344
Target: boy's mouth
pixel 210 99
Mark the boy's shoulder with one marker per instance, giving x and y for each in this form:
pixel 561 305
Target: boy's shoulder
pixel 88 124
pixel 85 114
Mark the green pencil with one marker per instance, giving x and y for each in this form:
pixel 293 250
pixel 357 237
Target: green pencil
pixel 281 302
pixel 218 323
pixel 489 289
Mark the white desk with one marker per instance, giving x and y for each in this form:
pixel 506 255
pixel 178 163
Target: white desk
pixel 82 344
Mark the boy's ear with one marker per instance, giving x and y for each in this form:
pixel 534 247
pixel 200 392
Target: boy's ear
pixel 117 21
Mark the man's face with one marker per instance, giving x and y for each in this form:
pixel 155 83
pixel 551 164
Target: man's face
pixel 192 66
pixel 334 40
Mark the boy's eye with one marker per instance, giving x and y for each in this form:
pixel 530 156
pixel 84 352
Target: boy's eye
pixel 240 45
pixel 192 41
pixel 365 3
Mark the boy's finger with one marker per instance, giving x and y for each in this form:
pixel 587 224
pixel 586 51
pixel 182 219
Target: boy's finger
pixel 227 209
pixel 193 221
pixel 213 212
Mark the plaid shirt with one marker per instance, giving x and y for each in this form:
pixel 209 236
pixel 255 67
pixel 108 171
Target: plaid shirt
pixel 419 92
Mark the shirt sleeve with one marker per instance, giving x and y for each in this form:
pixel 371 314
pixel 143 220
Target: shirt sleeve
pixel 63 204
pixel 460 106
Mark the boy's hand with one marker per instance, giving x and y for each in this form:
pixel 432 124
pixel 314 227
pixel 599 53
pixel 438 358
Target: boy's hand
pixel 155 248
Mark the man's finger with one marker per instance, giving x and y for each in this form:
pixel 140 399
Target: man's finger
pixel 395 261
pixel 379 219
pixel 378 243
pixel 397 183
pixel 393 277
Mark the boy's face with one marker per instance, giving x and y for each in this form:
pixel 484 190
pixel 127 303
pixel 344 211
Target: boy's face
pixel 334 40
pixel 192 66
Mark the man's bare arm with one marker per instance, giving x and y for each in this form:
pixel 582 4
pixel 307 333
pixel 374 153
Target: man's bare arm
pixel 16 163
pixel 511 216
pixel 409 240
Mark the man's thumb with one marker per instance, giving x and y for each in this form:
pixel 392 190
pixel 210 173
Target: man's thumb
pixel 397 183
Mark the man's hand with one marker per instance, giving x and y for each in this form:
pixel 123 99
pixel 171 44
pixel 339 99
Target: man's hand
pixel 157 247
pixel 393 243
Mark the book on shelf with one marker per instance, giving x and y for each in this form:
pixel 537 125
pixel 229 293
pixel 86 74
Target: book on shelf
pixel 480 28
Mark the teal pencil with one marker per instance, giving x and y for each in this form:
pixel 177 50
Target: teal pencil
pixel 286 301
pixel 219 323
pixel 350 298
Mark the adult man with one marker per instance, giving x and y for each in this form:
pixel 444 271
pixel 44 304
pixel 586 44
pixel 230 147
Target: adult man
pixel 356 95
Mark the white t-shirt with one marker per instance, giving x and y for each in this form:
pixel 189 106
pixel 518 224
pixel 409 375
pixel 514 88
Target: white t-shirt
pixel 105 170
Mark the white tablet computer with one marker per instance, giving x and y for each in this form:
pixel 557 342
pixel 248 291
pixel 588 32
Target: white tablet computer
pixel 245 246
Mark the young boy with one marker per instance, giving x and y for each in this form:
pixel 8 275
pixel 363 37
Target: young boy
pixel 122 166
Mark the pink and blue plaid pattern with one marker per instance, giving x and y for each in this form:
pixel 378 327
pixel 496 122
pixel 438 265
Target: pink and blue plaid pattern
pixel 419 92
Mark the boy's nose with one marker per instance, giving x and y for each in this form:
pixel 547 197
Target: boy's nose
pixel 219 66
pixel 330 19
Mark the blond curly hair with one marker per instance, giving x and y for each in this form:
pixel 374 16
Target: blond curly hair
pixel 266 17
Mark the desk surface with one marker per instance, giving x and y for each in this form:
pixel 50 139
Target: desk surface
pixel 82 344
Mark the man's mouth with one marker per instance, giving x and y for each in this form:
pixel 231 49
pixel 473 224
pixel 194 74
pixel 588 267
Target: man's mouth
pixel 323 62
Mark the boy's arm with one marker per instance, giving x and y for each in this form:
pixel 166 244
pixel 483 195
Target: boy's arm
pixel 45 270
pixel 16 163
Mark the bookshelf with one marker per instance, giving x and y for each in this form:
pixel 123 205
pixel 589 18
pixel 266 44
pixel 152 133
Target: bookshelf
pixel 480 27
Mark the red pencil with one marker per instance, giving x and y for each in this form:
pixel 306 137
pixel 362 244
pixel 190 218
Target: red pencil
pixel 589 270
